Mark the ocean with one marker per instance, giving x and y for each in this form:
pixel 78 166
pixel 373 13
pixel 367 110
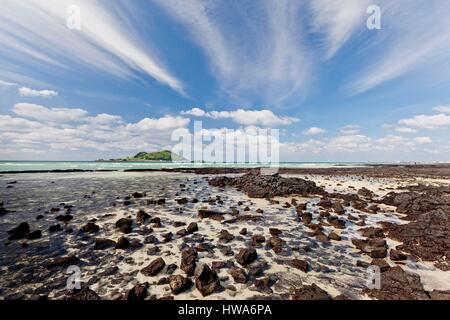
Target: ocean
pixel 8 166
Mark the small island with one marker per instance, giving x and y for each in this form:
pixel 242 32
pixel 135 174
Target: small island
pixel 161 156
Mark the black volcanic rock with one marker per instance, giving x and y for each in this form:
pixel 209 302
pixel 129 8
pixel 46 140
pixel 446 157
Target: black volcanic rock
pixel 246 256
pixel 19 232
pixel 256 185
pixel 154 268
pixel 207 281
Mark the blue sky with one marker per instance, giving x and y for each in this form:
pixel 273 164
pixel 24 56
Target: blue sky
pixel 138 70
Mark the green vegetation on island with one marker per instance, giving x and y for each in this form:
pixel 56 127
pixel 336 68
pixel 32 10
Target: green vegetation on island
pixel 164 155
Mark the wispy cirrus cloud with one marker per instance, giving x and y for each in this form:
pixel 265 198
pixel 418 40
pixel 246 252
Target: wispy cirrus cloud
pixel 245 117
pixel 34 34
pixel 415 37
pixel 252 48
pixel 338 21
pixel 6 84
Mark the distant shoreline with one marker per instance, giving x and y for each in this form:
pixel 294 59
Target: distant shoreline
pixel 373 170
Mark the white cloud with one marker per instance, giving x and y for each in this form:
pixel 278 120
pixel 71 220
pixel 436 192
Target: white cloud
pixel 442 109
pixel 423 140
pixel 351 129
pixel 405 130
pixel 253 117
pixel 350 143
pixel 27 92
pixel 338 20
pixel 18 124
pixel 252 48
pixel 245 117
pixel 415 38
pixel 82 133
pixel 196 112
pixel 361 147
pixel 431 122
pixel 7 84
pixel 314 131
pixel 41 113
pixel 164 123
pixel 34 34
pixel 105 119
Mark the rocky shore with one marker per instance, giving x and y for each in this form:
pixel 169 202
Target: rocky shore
pixel 435 171
pixel 212 234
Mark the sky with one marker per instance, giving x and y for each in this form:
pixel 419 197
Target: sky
pixel 134 72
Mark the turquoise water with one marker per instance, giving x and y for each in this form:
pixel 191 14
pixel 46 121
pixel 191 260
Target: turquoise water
pixel 6 166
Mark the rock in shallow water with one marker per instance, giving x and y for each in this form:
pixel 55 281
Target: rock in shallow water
pixel 34 235
pixel 154 268
pixel 103 244
pixel 246 256
pixel 192 227
pixel 63 262
pixel 257 185
pixel 300 264
pixel 238 275
pixel 138 292
pixel 206 280
pixel 312 292
pixel 188 261
pixel 141 216
pixel 122 243
pixel 19 232
pixel 179 284
pixel 124 225
pixel 83 294
pixel 396 255
pixel 396 284
pixel 90 227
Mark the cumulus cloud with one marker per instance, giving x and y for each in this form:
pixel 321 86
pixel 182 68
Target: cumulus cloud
pixel 423 140
pixel 350 129
pixel 250 144
pixel 164 123
pixel 41 113
pixel 442 109
pixel 314 131
pixel 53 130
pixel 27 92
pixel 245 117
pixel 405 130
pixel 350 143
pixel 431 122
pixel 196 112
pixel 363 147
pixel 8 123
